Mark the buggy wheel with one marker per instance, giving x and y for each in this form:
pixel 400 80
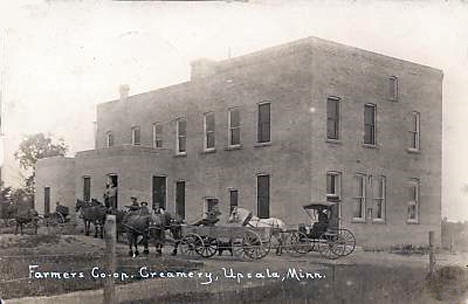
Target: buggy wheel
pixel 345 242
pixel 325 245
pixel 300 243
pixel 252 245
pixel 189 244
pixel 209 248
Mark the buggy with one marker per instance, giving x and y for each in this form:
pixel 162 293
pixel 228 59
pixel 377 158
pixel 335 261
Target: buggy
pixel 324 233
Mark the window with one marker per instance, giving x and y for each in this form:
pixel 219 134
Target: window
pixel 136 136
pixel 263 196
pixel 413 201
pixel 393 88
pixel 233 199
pixel 211 203
pixel 369 124
pixel 109 139
pixel 414 132
pixel 181 136
pixel 379 199
pixel 359 206
pixel 234 127
pixel 333 118
pixel 159 192
pixel 180 199
pixel 86 188
pixel 46 200
pixel 157 135
pixel 264 132
pixel 333 186
pixel 209 127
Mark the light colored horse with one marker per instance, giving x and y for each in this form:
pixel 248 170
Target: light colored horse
pixel 245 218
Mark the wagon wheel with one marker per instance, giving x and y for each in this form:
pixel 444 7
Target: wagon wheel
pixel 345 242
pixel 190 244
pixel 209 248
pixel 238 249
pixel 252 245
pixel 300 243
pixel 325 245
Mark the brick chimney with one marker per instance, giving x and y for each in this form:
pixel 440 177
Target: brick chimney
pixel 202 68
pixel 123 89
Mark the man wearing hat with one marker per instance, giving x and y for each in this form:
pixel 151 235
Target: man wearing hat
pixel 134 206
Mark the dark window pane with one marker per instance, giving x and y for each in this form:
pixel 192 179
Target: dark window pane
pixel 210 122
pixel 182 124
pixel 235 118
pixel 210 140
pixel 235 136
pixel 263 196
pixel 180 199
pixel 233 199
pixel 86 189
pixel 181 144
pixel 264 123
pixel 159 191
pixel 47 200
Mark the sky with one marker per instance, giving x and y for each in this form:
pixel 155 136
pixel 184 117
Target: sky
pixel 61 58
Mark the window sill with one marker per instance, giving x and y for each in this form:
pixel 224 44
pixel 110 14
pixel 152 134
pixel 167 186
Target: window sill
pixel 184 154
pixel 233 147
pixel 369 146
pixel 208 151
pixel 413 151
pixel 378 221
pixel 393 99
pixel 257 145
pixel 412 222
pixel 358 221
pixel 333 141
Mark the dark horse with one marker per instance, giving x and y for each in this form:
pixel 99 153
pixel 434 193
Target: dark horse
pixel 152 227
pixel 92 212
pixel 157 231
pixel 23 215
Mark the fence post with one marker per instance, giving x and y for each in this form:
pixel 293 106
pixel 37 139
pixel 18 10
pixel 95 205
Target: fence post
pixel 431 253
pixel 111 240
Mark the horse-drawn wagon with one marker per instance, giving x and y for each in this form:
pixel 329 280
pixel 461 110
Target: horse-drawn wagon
pixel 323 235
pixel 60 216
pixel 252 243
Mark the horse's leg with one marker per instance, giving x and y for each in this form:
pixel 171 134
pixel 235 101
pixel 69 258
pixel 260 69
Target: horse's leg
pixel 145 244
pixel 130 243
pixel 86 227
pixel 16 227
pixel 177 236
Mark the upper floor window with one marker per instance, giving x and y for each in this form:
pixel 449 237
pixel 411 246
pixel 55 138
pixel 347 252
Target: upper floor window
pixel 209 130
pixel 234 127
pixel 333 186
pixel 157 135
pixel 109 139
pixel 333 118
pixel 413 201
pixel 359 208
pixel 380 199
pixel 393 88
pixel 414 132
pixel 181 136
pixel 264 125
pixel 136 140
pixel 369 124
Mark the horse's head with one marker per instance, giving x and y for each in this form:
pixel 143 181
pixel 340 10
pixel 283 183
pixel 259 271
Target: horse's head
pixel 238 215
pixel 79 204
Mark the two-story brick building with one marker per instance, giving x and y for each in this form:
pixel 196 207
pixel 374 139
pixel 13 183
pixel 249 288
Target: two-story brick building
pixel 271 131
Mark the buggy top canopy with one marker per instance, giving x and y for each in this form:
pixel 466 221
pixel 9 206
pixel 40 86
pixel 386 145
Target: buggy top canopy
pixel 317 205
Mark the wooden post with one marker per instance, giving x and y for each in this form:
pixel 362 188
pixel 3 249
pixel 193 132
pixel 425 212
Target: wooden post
pixel 431 253
pixel 111 240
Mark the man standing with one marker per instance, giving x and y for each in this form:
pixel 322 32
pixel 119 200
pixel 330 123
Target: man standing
pixel 134 206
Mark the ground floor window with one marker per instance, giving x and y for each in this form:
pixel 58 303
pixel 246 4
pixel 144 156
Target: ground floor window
pixel 86 188
pixel 46 200
pixel 180 199
pixel 233 199
pixel 380 199
pixel 263 196
pixel 359 198
pixel 159 192
pixel 413 201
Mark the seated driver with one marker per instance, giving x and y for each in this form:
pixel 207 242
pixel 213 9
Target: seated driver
pixel 210 218
pixel 321 226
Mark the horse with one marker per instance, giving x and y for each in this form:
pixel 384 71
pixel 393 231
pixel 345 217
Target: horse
pixel 245 218
pixel 157 230
pixel 23 216
pixel 136 224
pixel 94 213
